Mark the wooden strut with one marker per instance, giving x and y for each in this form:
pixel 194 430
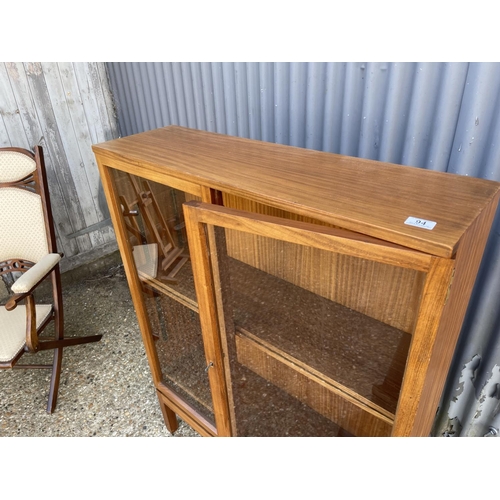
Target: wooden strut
pixel 157 231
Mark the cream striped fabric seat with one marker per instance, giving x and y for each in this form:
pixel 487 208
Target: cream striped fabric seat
pixel 13 334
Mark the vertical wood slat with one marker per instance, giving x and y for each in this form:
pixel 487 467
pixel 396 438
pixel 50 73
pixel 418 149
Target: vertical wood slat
pixel 21 102
pixel 26 104
pixel 60 87
pixel 54 145
pixel 205 293
pixel 220 274
pixel 416 373
pixel 11 123
pixel 64 107
pixel 468 260
pixel 130 270
pixel 100 94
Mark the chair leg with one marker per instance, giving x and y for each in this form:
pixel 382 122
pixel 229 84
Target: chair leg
pixel 58 345
pixel 54 381
pixel 67 342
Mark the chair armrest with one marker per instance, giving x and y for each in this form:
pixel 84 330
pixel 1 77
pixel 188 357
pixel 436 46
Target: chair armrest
pixel 32 278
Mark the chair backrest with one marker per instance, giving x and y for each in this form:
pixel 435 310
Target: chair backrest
pixel 24 211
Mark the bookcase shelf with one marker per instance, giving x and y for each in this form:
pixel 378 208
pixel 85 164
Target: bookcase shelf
pixel 282 291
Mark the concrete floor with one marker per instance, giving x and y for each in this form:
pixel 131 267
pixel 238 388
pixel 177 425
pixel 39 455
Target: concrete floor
pixel 106 387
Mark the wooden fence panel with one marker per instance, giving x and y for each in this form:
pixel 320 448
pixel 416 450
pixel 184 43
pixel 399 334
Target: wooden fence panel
pixel 64 107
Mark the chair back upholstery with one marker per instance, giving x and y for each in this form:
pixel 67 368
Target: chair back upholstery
pixel 22 215
pixel 28 245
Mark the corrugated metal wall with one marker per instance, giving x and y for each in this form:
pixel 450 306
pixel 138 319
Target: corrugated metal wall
pixel 64 107
pixel 440 116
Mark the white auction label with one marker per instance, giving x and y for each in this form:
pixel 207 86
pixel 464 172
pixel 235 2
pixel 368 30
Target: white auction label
pixel 415 221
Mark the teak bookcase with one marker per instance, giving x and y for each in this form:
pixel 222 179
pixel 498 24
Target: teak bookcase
pixel 282 291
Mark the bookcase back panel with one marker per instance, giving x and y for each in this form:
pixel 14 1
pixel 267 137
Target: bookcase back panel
pixel 387 293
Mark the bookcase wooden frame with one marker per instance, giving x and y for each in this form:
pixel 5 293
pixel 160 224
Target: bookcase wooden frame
pixel 439 272
pixel 352 207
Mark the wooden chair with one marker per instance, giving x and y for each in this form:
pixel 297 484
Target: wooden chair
pixel 28 253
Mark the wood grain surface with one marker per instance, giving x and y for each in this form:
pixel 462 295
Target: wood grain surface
pixel 334 227
pixel 366 196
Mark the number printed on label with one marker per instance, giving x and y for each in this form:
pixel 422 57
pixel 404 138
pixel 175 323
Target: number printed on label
pixel 423 223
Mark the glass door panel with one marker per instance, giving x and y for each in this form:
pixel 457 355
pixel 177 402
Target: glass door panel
pixel 153 217
pixel 315 341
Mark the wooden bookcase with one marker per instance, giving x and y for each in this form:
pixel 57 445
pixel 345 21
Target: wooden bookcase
pixel 282 291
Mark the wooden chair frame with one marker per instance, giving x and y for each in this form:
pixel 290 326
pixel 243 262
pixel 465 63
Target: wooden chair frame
pixel 37 183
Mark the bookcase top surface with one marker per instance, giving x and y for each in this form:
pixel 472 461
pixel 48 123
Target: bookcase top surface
pixel 392 202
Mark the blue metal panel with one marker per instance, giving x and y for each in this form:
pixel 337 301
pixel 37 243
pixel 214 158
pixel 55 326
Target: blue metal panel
pixel 440 116
pixel 477 120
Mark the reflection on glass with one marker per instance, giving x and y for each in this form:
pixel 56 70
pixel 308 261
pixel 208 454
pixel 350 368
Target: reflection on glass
pixel 146 260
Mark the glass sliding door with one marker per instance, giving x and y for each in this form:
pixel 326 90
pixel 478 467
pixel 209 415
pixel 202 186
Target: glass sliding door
pixel 156 237
pixel 314 323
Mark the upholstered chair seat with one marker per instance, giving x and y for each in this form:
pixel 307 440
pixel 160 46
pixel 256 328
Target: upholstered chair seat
pixel 29 256
pixel 13 324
